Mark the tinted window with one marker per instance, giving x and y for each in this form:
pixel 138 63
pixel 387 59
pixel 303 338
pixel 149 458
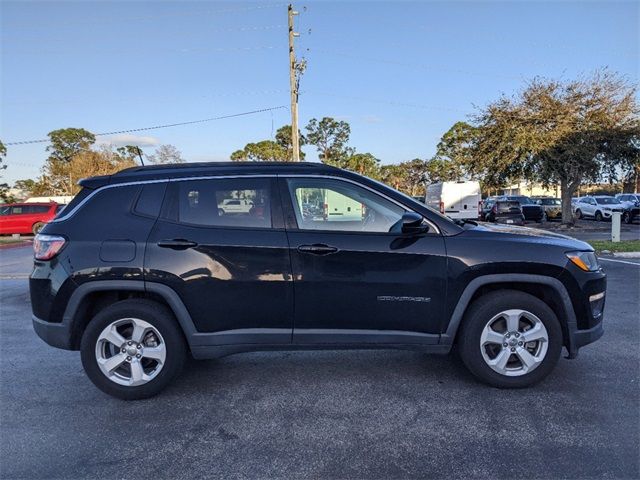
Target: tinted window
pixel 322 204
pixel 5 210
pixel 75 201
pixel 19 209
pixel 150 199
pixel 550 201
pixel 39 208
pixel 607 201
pixel 206 202
pixel 509 206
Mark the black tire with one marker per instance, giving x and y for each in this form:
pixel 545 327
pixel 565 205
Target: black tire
pixel 220 212
pixel 578 214
pixel 37 227
pixel 626 217
pixel 598 216
pixel 476 318
pixel 161 319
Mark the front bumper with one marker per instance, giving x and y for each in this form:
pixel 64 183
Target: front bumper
pixel 580 338
pixel 55 334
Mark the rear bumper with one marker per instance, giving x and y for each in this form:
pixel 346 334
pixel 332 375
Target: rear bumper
pixel 55 334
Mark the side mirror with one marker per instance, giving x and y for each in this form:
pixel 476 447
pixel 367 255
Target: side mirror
pixel 412 223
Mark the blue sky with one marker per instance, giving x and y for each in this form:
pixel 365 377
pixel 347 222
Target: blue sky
pixel 400 73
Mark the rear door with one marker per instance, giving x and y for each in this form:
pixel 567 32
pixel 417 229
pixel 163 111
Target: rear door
pixel 360 280
pixel 230 268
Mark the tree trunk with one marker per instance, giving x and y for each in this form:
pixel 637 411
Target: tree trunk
pixel 567 190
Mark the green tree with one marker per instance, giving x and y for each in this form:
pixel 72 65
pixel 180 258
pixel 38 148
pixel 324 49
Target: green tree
pixel 455 151
pixel 68 142
pixel 283 138
pixel 165 154
pixel 565 133
pixel 27 185
pixel 331 138
pixel 264 151
pixel 394 175
pixel 3 186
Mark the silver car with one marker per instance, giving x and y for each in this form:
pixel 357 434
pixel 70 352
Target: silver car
pixel 599 207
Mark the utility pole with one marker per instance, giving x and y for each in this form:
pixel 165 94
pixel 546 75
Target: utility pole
pixel 295 140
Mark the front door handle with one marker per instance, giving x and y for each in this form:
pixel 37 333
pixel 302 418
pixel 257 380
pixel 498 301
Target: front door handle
pixel 317 249
pixel 177 244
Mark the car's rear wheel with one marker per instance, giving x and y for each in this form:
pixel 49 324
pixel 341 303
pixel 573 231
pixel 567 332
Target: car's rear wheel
pixel 133 349
pixel 37 227
pixel 510 339
pixel 220 212
pixel 626 217
pixel 598 216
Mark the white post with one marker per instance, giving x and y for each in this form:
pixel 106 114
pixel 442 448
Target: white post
pixel 615 226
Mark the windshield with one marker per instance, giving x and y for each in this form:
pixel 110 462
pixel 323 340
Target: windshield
pixel 607 201
pixel 522 200
pixel 550 201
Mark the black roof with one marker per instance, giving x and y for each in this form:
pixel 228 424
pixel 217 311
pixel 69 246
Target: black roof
pixel 181 170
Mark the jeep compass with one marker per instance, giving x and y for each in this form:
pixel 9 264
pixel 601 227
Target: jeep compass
pixel 149 265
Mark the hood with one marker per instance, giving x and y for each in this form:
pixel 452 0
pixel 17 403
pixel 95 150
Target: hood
pixel 527 234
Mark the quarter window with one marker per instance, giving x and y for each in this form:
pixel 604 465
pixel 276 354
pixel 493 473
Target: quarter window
pixel 325 204
pixel 237 202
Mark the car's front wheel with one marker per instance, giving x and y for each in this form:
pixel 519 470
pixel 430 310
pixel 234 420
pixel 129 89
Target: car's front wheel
pixel 133 349
pixel 510 339
pixel 598 216
pixel 578 214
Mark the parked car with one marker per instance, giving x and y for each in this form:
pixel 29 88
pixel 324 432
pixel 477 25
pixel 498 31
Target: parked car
pixel 598 207
pixel 167 276
pixel 629 199
pixel 234 206
pixel 458 200
pixel 25 218
pixel 631 214
pixel 631 205
pixel 485 207
pixel 531 210
pixel 505 211
pixel 552 207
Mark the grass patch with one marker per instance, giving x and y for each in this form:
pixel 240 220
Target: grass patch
pixel 624 246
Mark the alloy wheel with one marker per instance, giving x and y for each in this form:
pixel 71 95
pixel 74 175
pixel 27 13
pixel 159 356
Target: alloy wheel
pixel 514 342
pixel 130 352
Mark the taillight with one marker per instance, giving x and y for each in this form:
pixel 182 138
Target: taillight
pixel 442 208
pixel 45 247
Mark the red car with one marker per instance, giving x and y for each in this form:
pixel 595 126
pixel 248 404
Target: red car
pixel 26 218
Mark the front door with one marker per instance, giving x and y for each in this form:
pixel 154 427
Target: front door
pixel 231 269
pixel 357 277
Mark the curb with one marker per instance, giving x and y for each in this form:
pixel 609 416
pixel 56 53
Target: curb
pixel 7 246
pixel 627 254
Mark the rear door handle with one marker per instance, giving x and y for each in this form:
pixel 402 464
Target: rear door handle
pixel 177 244
pixel 317 249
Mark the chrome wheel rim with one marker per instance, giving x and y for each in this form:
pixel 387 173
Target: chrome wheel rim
pixel 514 342
pixel 130 352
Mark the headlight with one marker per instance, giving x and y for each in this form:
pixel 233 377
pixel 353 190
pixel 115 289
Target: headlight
pixel 586 261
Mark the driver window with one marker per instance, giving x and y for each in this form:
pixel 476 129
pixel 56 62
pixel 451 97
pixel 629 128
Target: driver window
pixel 324 204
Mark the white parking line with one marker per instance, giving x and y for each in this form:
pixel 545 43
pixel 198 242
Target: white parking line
pixel 619 261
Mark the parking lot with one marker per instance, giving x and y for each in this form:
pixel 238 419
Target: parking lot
pixel 366 414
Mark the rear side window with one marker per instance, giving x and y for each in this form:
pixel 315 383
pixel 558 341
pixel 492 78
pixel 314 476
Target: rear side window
pixel 40 209
pixel 150 200
pixel 509 207
pixel 75 201
pixel 236 202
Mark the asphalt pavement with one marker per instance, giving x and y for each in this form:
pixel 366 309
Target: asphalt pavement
pixel 363 414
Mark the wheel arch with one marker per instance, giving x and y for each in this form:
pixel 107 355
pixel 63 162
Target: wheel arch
pixel 548 289
pixel 91 297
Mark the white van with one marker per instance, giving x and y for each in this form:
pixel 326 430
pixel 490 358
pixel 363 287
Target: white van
pixel 455 199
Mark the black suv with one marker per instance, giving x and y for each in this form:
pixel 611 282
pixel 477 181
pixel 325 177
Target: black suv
pixel 144 267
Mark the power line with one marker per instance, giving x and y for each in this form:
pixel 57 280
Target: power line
pixel 157 127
